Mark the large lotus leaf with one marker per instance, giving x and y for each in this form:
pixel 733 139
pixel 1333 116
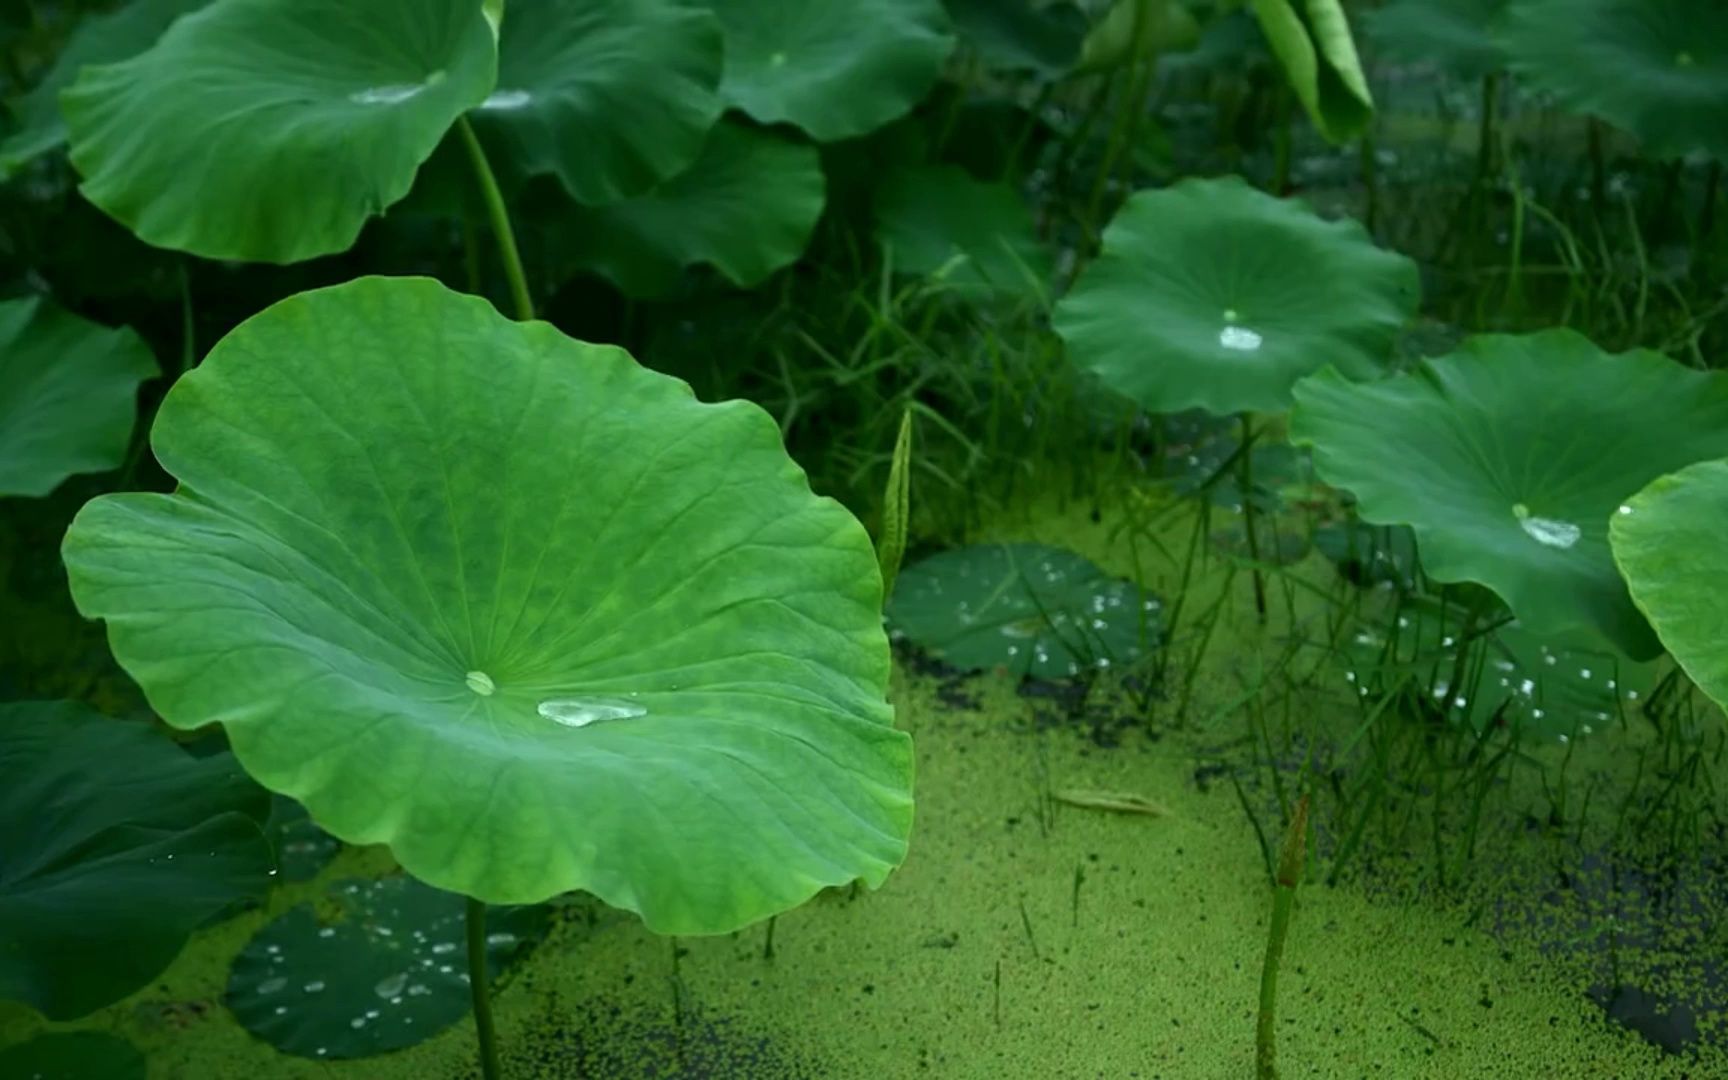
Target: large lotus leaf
pixel 613 96
pixel 1211 294
pixel 937 220
pixel 73 1055
pixel 68 395
pixel 1455 35
pixel 747 207
pixel 1658 68
pixel 1311 39
pixel 270 130
pixel 1021 35
pixel 118 845
pixel 834 69
pixel 102 39
pixel 1029 609
pixel 376 966
pixel 1669 542
pixel 513 605
pixel 1509 457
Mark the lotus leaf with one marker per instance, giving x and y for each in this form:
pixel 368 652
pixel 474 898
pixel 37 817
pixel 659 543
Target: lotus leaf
pixel 513 605
pixel 298 119
pixel 1658 68
pixel 747 207
pixel 388 971
pixel 938 221
pixel 1311 39
pixel 611 96
pixel 1135 29
pixel 1021 35
pixel 1029 609
pixel 73 1055
pixel 1456 35
pixel 1669 544
pixel 1509 457
pixel 118 845
pixel 68 395
pixel 1211 294
pixel 102 39
pixel 835 70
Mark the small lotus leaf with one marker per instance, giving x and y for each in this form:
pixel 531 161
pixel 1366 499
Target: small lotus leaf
pixel 1021 35
pixel 836 70
pixel 389 970
pixel 73 1055
pixel 938 221
pixel 513 605
pixel 118 845
pixel 1670 546
pixel 1455 35
pixel 68 395
pixel 612 96
pixel 747 207
pixel 1138 29
pixel 270 130
pixel 1029 609
pixel 101 39
pixel 1311 39
pixel 1210 294
pixel 1657 68
pixel 1509 457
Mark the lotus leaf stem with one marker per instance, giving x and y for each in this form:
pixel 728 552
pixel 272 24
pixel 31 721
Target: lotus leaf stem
pixel 479 983
pixel 500 217
pixel 1292 855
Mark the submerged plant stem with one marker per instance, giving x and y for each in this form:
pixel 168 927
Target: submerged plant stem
pixel 500 217
pixel 480 985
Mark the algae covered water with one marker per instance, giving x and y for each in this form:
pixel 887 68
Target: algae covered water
pixel 740 539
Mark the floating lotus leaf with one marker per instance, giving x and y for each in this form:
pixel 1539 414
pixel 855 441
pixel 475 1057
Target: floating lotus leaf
pixel 101 39
pixel 1455 35
pixel 747 207
pixel 1311 39
pixel 118 845
pixel 1212 295
pixel 1509 457
pixel 521 609
pixel 1021 35
pixel 270 130
pixel 938 221
pixel 379 966
pixel 1658 68
pixel 611 96
pixel 1028 609
pixel 834 69
pixel 68 395
pixel 1670 547
pixel 1568 685
pixel 302 848
pixel 73 1055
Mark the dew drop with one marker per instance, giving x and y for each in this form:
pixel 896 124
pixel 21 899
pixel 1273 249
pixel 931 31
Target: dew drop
pixel 580 712
pixel 270 986
pixel 315 986
pixel 506 100
pixel 1239 338
pixel 481 683
pixel 395 93
pixel 391 985
pixel 1549 531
